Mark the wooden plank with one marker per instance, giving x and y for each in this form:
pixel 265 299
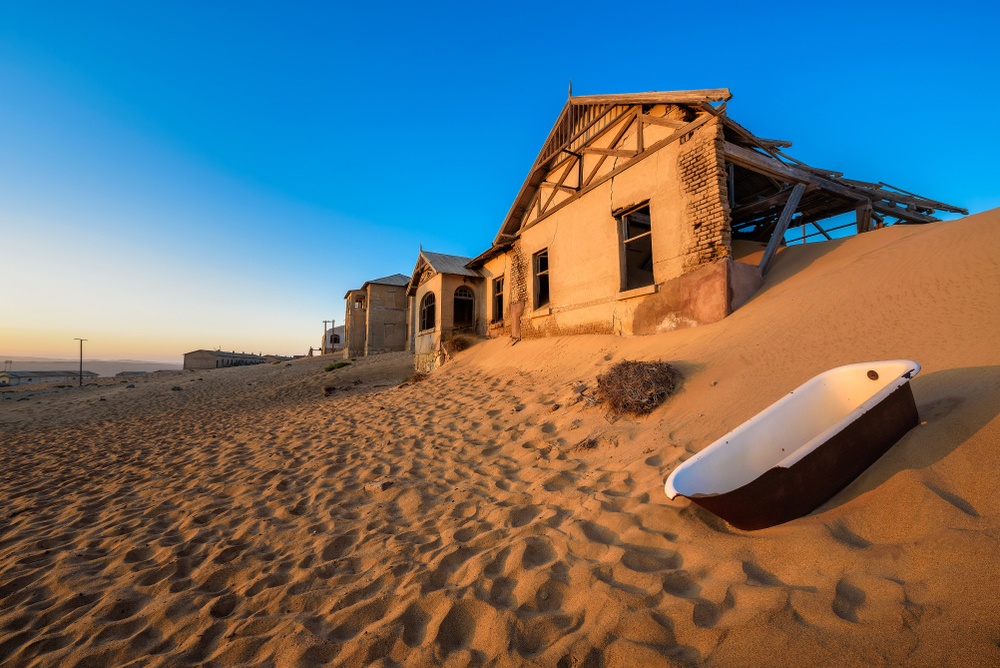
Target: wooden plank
pixel 616 152
pixel 779 230
pixel 662 120
pixel 763 164
pixel 665 97
pixel 763 205
pixel 558 186
pixel 904 214
pixel 863 217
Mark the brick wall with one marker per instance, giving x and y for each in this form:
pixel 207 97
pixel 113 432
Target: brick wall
pixel 702 170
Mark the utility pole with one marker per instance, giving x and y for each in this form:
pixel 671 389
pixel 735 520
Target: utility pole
pixel 81 360
pixel 325 322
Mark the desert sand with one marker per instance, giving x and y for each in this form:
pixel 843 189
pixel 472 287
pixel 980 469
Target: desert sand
pixel 493 515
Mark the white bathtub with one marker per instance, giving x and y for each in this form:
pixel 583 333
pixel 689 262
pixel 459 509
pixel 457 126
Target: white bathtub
pixel 801 450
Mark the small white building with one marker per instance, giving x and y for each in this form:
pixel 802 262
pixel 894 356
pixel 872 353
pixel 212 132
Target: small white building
pixel 11 378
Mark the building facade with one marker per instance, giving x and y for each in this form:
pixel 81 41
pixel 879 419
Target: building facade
pixel 198 360
pixel 376 317
pixel 445 300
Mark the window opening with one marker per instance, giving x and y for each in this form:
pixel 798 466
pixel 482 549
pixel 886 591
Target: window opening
pixel 498 299
pixel 635 232
pixel 465 307
pixel 428 316
pixel 541 266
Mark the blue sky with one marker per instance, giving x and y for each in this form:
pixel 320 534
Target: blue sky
pixel 184 175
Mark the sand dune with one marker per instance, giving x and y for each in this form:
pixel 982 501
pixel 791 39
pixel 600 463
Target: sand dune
pixel 492 515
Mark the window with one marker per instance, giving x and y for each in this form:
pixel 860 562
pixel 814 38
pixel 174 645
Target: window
pixel 498 299
pixel 636 236
pixel 465 307
pixel 428 317
pixel 359 302
pixel 391 298
pixel 540 262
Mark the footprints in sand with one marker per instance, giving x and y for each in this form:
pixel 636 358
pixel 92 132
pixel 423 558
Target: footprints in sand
pixel 847 600
pixel 496 540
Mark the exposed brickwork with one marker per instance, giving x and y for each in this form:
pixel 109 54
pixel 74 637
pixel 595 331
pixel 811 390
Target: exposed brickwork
pixel 518 288
pixel 702 170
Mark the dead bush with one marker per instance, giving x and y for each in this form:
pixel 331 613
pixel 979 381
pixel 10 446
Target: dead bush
pixel 636 388
pixel 458 343
pixel 415 378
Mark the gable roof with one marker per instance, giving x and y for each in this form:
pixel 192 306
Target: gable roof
pixel 584 119
pixel 449 264
pixel 581 119
pixel 442 264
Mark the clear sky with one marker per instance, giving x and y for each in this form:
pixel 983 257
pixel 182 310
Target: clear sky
pixel 189 175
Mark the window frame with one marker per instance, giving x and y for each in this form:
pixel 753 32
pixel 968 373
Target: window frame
pixel 622 220
pixel 471 298
pixel 422 313
pixel 498 285
pixel 537 276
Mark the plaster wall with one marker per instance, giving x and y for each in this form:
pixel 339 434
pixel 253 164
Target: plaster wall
pixel 355 324
pixel 684 186
pixel 385 319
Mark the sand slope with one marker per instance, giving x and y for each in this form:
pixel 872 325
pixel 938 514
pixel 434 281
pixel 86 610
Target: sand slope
pixel 244 519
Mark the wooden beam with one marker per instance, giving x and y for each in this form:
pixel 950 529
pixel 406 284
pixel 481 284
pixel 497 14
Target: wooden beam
pixel 665 97
pixel 779 230
pixel 763 164
pixel 903 214
pixel 863 217
pixel 595 182
pixel 661 120
pixel 626 124
pixel 763 205
pixel 558 186
pixel 616 152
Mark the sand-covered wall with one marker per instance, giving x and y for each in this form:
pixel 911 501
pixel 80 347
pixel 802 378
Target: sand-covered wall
pixel 683 185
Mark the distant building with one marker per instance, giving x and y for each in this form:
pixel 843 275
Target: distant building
pixel 198 360
pixel 11 378
pixel 333 341
pixel 447 299
pixel 376 316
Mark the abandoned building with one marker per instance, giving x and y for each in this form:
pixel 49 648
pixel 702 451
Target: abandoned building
pixel 642 213
pixel 376 317
pixel 11 378
pixel 627 219
pixel 445 299
pixel 198 360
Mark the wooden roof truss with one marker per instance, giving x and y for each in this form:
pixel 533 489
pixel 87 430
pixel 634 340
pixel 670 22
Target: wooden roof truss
pixel 762 180
pixel 591 130
pixel 770 192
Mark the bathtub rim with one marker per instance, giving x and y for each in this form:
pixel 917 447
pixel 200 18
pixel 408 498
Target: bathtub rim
pixel 912 368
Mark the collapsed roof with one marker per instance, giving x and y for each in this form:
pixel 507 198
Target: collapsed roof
pixel 766 186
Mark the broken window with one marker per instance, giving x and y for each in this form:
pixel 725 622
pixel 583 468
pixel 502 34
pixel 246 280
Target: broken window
pixel 428 315
pixel 359 302
pixel 465 307
pixel 498 299
pixel 636 238
pixel 540 262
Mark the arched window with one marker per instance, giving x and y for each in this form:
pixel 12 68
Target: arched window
pixel 428 316
pixel 465 307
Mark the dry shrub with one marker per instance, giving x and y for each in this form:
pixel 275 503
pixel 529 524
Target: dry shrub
pixel 458 343
pixel 636 388
pixel 415 378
